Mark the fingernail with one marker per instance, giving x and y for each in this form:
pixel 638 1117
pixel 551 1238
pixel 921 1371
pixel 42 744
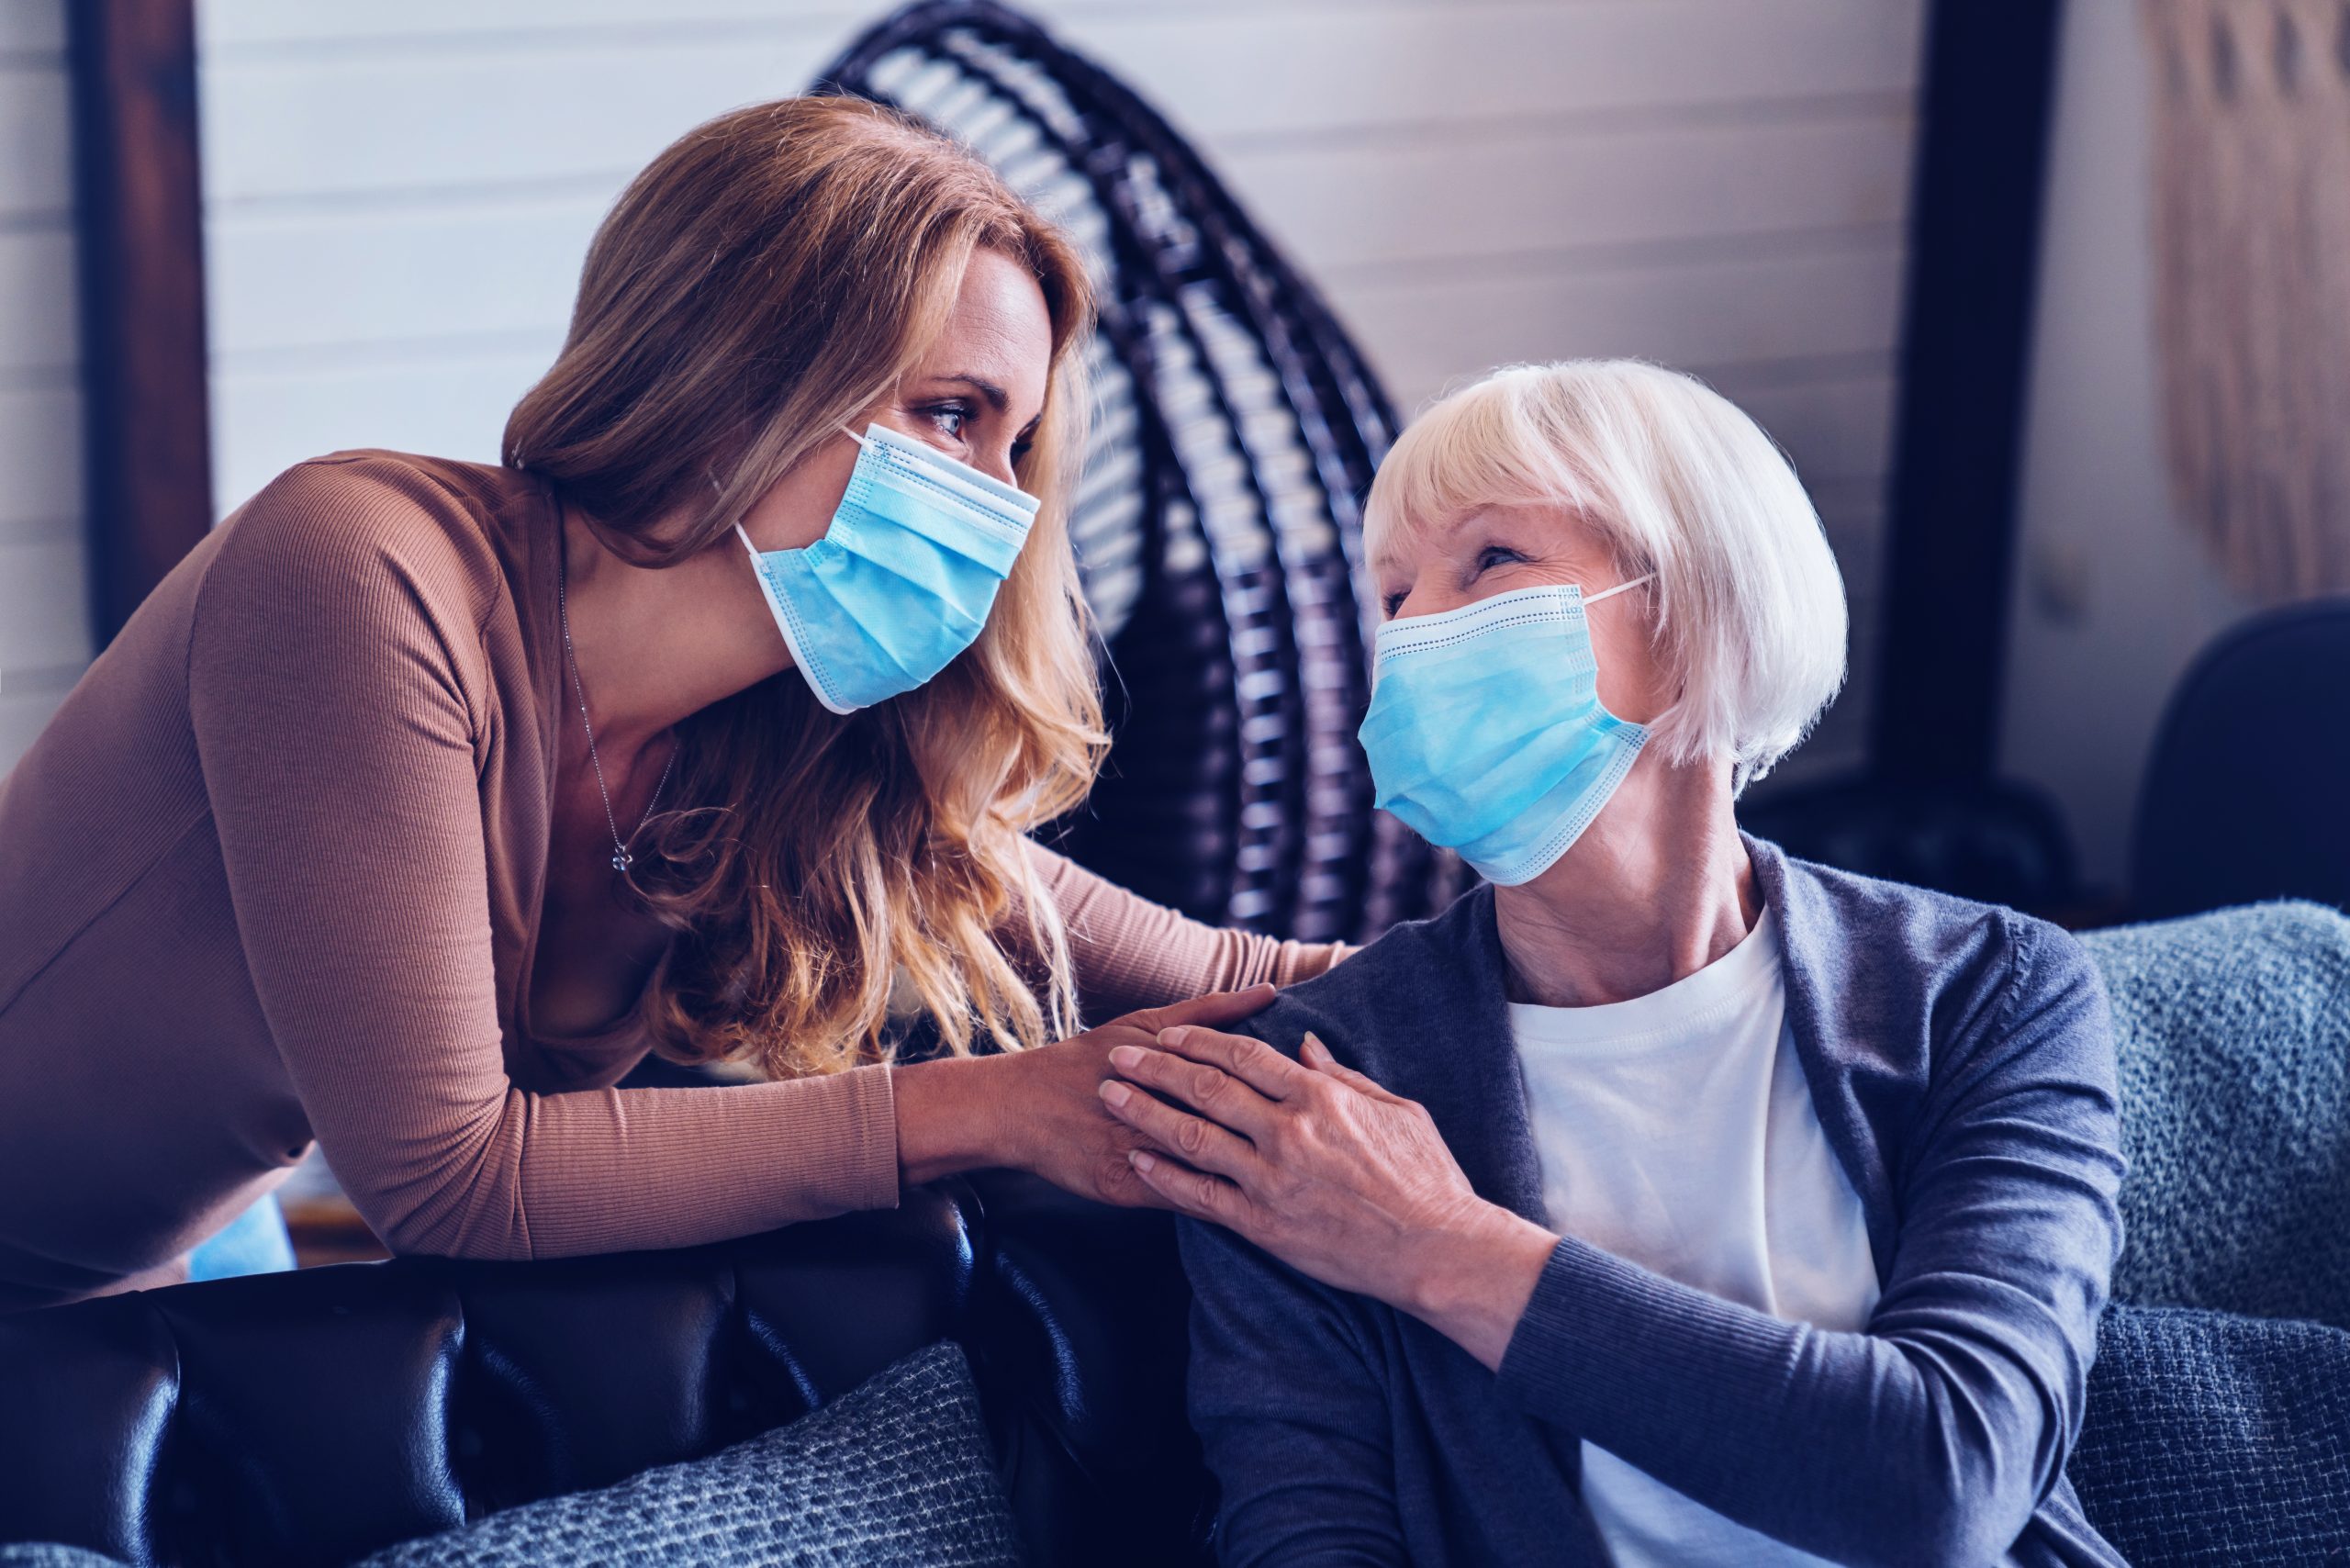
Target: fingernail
pixel 1142 1161
pixel 1125 1058
pixel 1173 1038
pixel 1115 1092
pixel 1315 1047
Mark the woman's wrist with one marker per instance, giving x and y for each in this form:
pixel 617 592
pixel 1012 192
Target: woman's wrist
pixel 1472 1278
pixel 950 1119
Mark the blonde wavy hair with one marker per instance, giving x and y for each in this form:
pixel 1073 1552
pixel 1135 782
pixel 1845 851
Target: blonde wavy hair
pixel 770 276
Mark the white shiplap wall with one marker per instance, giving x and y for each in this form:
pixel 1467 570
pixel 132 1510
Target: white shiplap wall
pixel 398 194
pixel 44 613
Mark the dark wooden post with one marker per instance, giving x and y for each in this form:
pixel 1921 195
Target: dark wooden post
pixel 1974 272
pixel 139 212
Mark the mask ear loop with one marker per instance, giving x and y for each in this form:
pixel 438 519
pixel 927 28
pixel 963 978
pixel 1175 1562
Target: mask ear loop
pixel 1621 587
pixel 746 538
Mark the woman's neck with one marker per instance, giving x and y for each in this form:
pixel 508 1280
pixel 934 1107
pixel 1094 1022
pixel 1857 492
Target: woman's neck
pixel 1657 888
pixel 657 645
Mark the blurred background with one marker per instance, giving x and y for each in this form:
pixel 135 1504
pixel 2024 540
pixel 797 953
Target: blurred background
pixel 1923 244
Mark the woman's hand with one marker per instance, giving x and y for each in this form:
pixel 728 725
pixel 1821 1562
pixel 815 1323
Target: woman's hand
pixel 1330 1172
pixel 1041 1111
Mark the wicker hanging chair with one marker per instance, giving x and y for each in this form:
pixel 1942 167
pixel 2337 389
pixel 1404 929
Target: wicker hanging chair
pixel 1217 526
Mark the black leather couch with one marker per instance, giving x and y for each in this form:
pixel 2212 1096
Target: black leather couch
pixel 314 1416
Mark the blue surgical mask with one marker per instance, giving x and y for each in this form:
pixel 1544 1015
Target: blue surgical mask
pixel 904 578
pixel 1486 734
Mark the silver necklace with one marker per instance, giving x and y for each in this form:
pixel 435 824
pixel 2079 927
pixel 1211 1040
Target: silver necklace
pixel 621 859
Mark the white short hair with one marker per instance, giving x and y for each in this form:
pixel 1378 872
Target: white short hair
pixel 1750 606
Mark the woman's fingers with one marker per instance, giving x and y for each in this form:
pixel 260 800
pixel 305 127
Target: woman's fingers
pixel 1206 1088
pixel 1253 1062
pixel 1190 1191
pixel 1194 1138
pixel 1317 1056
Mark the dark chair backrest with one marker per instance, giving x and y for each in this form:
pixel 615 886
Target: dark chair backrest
pixel 2247 790
pixel 313 1418
pixel 1218 526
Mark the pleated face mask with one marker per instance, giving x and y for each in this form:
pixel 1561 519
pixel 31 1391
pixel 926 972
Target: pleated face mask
pixel 1486 734
pixel 903 578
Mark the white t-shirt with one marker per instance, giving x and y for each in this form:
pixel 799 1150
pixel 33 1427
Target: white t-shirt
pixel 1676 1131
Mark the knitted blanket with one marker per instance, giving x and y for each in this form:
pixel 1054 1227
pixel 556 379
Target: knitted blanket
pixel 2234 1037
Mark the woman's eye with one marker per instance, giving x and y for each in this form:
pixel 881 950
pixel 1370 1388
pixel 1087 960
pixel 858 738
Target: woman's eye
pixel 949 418
pixel 1393 602
pixel 1020 448
pixel 1493 555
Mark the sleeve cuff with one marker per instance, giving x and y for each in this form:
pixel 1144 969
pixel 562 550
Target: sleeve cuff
pixel 1604 1342
pixel 872 1153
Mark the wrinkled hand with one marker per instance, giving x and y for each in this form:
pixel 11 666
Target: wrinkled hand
pixel 1311 1160
pixel 1059 1127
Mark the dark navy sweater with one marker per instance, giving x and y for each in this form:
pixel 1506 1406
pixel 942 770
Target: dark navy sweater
pixel 1962 1061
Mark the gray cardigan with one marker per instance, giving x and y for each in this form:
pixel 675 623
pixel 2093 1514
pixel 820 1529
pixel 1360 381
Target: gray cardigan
pixel 1962 1061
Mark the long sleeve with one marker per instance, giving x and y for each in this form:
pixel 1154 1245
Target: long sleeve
pixel 343 713
pixel 1291 1415
pixel 1933 1435
pixel 1130 953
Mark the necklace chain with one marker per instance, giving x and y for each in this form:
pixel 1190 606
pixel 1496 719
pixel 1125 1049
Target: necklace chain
pixel 621 859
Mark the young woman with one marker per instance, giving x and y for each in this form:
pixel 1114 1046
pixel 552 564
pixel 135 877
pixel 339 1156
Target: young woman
pixel 1668 1201
pixel 424 798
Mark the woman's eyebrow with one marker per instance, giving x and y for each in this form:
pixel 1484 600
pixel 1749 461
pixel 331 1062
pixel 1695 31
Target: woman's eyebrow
pixel 996 395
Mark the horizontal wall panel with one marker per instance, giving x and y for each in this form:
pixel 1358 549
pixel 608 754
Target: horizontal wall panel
pixel 1708 315
pixel 1275 73
pixel 369 119
pixel 341 278
pixel 335 275
pixel 32 27
pixel 37 329
pixel 40 455
pixel 44 619
pixel 36 129
pixel 228 26
pixel 1833 431
pixel 336 123
pixel 21 719
pixel 1516 190
pixel 265 424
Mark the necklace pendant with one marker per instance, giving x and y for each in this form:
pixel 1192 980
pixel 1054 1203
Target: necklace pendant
pixel 622 860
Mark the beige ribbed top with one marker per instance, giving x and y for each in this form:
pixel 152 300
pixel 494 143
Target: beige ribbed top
pixel 275 872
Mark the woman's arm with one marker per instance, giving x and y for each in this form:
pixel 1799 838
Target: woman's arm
pixel 1291 1406
pixel 1130 953
pixel 1929 1438
pixel 334 671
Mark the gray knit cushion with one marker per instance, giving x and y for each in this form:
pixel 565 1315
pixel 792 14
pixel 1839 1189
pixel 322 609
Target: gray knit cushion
pixel 896 1475
pixel 2216 1440
pixel 2235 1109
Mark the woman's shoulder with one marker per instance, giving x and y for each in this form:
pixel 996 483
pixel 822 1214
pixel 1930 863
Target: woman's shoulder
pixel 1413 976
pixel 1827 916
pixel 446 532
pixel 1933 983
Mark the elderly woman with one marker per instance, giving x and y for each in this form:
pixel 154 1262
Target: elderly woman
pixel 1668 1200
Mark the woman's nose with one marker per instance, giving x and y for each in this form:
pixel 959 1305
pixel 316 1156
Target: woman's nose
pixel 997 465
pixel 1428 598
